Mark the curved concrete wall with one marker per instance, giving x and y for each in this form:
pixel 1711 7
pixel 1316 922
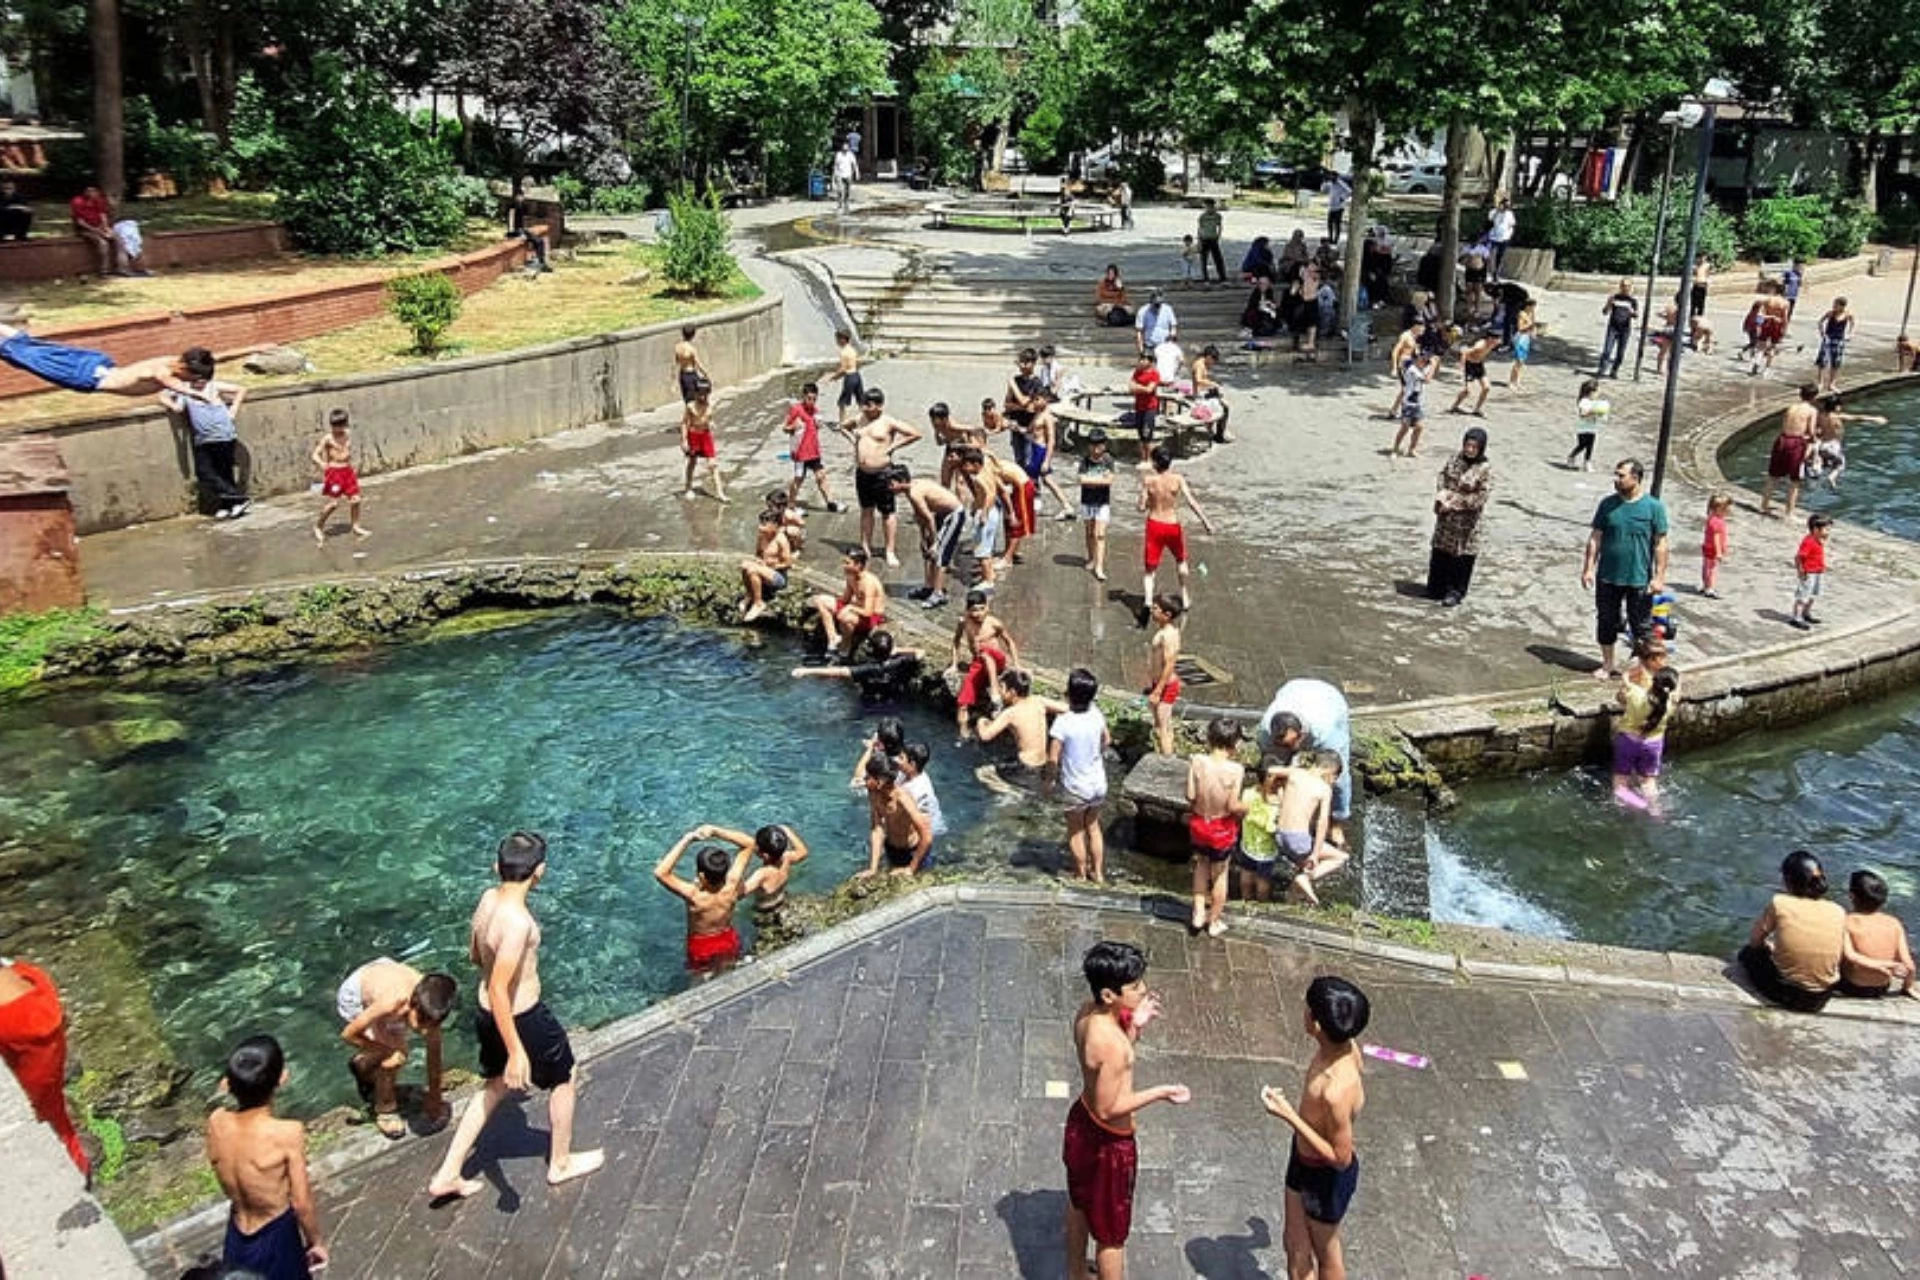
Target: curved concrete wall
pixel 135 466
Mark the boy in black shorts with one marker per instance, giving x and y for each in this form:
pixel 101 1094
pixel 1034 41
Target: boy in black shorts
pixel 1323 1171
pixel 521 1041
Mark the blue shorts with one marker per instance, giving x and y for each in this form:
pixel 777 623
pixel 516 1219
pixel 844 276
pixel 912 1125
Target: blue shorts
pixel 1325 1192
pixel 1036 463
pixel 75 368
pixel 1522 347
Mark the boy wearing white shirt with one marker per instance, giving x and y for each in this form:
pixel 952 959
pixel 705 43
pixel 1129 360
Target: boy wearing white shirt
pixel 1077 751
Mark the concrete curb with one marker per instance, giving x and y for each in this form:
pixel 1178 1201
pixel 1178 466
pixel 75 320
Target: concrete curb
pixel 50 1224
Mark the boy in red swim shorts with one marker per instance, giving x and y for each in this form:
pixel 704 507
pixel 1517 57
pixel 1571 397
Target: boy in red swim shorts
pixel 1163 658
pixel 696 440
pixel 988 648
pixel 712 941
pixel 339 482
pixel 1098 1148
pixel 1215 782
pixel 1162 490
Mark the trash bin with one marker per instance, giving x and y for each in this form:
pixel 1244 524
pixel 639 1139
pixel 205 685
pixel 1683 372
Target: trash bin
pixel 816 185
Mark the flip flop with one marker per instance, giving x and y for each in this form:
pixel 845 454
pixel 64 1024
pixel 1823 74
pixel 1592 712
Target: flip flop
pixel 390 1124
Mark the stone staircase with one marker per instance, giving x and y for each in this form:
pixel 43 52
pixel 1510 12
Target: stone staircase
pixel 986 319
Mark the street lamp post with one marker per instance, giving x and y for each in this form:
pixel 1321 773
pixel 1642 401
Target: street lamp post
pixel 1659 243
pixel 1717 91
pixel 692 24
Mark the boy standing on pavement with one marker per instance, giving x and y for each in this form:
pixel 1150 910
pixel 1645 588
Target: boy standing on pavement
pixel 1161 491
pixel 1163 661
pixel 803 424
pixel 1323 1171
pixel 210 417
pixel 273 1229
pixel 339 482
pixel 876 437
pixel 1098 1147
pixel 1209 228
pixel 942 518
pixel 1079 741
pixel 1214 784
pixel 1811 563
pixel 521 1041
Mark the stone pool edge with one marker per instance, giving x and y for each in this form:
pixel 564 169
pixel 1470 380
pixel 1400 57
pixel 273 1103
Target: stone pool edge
pixel 1673 977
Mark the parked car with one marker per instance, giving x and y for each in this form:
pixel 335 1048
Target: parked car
pixel 1284 175
pixel 1430 179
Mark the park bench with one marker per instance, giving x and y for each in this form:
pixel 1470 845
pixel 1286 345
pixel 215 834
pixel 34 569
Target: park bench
pixel 1023 215
pixel 1206 189
pixel 1774 270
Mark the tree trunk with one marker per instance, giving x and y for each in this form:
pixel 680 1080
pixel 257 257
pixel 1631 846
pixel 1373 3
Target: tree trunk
pixel 226 78
pixel 1636 145
pixel 1870 173
pixel 1450 211
pixel 1360 123
pixel 1542 184
pixel 109 110
pixel 1751 139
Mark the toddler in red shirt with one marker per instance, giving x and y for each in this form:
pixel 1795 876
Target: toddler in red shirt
pixel 1146 397
pixel 1811 561
pixel 1713 547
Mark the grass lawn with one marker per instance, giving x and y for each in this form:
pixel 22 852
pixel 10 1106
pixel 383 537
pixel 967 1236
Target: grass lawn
pixel 580 298
pixel 74 301
pixel 179 213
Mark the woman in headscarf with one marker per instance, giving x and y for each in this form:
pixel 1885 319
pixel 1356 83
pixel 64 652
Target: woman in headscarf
pixel 1458 500
pixel 1258 264
pixel 1261 317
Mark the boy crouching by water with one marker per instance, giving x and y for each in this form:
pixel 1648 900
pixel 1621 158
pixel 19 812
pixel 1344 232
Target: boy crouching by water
pixel 712 941
pixel 1300 821
pixel 1323 1170
pixel 273 1229
pixel 1098 1148
pixel 383 1003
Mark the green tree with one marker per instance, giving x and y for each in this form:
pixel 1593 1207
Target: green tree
pixel 767 79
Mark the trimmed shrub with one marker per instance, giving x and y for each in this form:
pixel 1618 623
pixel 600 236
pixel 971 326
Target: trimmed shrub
pixel 628 198
pixel 475 196
pixel 1781 227
pixel 427 304
pixel 1617 238
pixel 696 258
pixel 1846 227
pixel 1898 223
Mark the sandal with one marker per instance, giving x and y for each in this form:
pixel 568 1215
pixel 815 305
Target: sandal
pixel 390 1124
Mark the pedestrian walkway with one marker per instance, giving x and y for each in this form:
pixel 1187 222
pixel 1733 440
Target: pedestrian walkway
pixel 895 1110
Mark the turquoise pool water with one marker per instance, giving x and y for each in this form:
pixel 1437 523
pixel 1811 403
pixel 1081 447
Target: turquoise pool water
pixel 1881 487
pixel 1553 854
pixel 303 821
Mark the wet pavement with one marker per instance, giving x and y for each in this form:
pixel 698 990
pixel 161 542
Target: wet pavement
pixel 894 1110
pixel 1319 562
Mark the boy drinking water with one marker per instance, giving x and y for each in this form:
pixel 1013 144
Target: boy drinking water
pixel 339 482
pixel 1323 1171
pixel 273 1228
pixel 1098 1147
pixel 712 941
pixel 1214 783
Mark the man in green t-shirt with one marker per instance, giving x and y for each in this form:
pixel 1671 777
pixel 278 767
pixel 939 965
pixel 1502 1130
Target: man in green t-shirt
pixel 1209 237
pixel 1626 561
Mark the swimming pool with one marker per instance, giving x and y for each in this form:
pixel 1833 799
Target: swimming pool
pixel 1881 487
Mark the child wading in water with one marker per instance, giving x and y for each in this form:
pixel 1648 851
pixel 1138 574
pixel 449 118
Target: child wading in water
pixel 1323 1170
pixel 1163 657
pixel 273 1229
pixel 1300 821
pixel 1214 784
pixel 712 941
pixel 1098 1147
pixel 333 455
pixel 1713 547
pixel 1645 698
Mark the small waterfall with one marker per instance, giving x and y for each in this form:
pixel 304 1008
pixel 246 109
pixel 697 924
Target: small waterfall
pixel 1461 895
pixel 1392 859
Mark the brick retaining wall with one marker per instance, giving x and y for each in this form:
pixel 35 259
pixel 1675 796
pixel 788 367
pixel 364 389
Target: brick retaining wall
pixel 53 257
pixel 229 327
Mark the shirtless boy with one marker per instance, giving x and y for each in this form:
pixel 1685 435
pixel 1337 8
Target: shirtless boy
pixel 766 572
pixel 86 371
pixel 1163 657
pixel 942 518
pixel 1162 490
pixel 1214 783
pixel 383 1003
pixel 1098 1147
pixel 897 830
pixel 273 1228
pixel 987 647
pixel 339 482
pixel 687 367
pixel 859 609
pixel 952 436
pixel 1788 458
pixel 1828 458
pixel 803 424
pixel 1323 1171
pixel 696 440
pixel 982 492
pixel 876 437
pixel 779 849
pixel 711 896
pixel 1473 372
pixel 521 1041
pixel 1300 822
pixel 847 374
pixel 1025 716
